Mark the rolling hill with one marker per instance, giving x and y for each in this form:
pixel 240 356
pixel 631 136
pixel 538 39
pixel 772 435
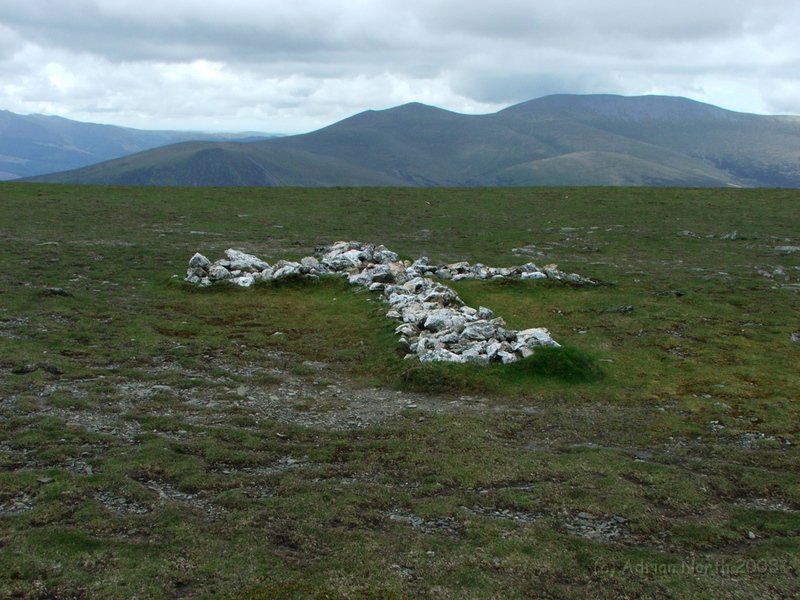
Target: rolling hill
pixel 555 140
pixel 37 144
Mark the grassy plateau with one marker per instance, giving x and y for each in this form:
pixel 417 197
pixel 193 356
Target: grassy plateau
pixel 162 441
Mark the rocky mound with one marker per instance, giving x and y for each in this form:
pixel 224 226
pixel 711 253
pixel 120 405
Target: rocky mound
pixel 435 324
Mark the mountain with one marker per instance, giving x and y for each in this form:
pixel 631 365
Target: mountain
pixel 555 140
pixel 36 144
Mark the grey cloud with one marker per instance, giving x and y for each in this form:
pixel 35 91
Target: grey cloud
pixel 314 61
pixel 203 32
pixel 505 88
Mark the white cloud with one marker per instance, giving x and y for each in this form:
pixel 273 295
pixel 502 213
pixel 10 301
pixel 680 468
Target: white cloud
pixel 294 66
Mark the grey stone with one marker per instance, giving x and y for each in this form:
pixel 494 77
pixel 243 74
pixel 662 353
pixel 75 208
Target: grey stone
pixel 199 261
pixel 485 313
pixel 218 273
pixel 444 274
pixel 286 270
pixel 383 255
pixel 445 318
pixel 448 337
pixel 476 359
pixel 57 291
pixel 479 330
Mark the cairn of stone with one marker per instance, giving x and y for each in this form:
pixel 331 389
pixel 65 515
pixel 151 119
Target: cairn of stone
pixel 434 323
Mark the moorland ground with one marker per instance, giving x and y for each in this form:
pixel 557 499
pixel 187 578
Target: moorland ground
pixel 158 440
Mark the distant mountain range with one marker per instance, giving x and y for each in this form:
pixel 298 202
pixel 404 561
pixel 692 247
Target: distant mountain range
pixel 37 144
pixel 555 140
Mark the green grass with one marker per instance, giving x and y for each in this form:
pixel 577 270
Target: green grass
pixel 272 442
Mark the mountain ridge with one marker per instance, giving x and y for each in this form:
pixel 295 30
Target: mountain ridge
pixel 555 140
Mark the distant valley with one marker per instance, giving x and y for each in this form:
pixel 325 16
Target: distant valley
pixel 37 144
pixel 556 140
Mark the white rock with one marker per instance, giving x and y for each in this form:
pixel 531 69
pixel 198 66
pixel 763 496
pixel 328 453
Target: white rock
pixel 507 357
pixel 406 329
pixel 533 275
pixel 493 347
pixel 536 336
pixel 441 355
pixel 245 262
pixel 243 280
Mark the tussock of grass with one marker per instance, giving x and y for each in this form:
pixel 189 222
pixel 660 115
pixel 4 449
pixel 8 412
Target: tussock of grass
pixel 567 363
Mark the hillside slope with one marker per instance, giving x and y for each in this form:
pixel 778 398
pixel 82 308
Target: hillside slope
pixel 555 140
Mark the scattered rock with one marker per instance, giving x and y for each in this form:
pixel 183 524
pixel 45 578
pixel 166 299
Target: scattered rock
pixel 671 294
pixel 120 505
pixel 505 513
pixel 622 310
pixel 439 525
pixel 587 525
pixel 21 503
pixel 57 291
pixel 33 367
pixel 787 249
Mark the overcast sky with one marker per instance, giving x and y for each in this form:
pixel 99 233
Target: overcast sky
pixel 296 65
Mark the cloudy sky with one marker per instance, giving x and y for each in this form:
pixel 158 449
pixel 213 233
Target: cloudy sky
pixel 296 65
